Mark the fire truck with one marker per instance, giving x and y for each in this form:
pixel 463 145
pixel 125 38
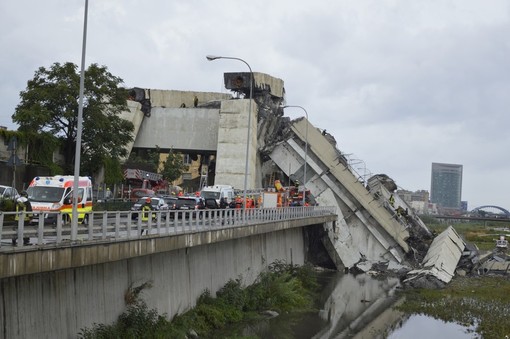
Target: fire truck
pixel 140 183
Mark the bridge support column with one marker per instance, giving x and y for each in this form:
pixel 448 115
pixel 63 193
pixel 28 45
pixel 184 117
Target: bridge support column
pixel 231 151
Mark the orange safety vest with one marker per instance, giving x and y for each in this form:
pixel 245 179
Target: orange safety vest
pixel 249 203
pixel 279 201
pixel 239 202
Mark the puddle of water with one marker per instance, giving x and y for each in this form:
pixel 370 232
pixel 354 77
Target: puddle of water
pixel 425 327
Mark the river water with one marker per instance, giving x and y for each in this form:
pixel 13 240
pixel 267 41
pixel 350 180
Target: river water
pixel 353 306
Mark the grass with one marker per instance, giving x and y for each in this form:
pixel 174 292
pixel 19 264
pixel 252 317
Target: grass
pixel 482 235
pixel 480 301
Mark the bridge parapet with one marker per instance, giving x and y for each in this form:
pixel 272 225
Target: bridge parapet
pixel 112 236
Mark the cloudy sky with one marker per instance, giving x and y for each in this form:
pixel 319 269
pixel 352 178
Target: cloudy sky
pixel 399 83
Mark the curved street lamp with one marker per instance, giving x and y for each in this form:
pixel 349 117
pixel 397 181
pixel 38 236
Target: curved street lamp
pixel 215 57
pixel 306 149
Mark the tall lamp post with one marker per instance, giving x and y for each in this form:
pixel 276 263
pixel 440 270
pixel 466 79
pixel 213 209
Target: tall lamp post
pixel 306 149
pixel 74 221
pixel 215 57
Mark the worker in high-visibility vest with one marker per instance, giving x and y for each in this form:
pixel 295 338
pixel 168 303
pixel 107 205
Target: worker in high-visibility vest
pixel 23 205
pixel 146 208
pixel 249 202
pixel 279 200
pixel 392 200
pixel 238 202
pixel 278 185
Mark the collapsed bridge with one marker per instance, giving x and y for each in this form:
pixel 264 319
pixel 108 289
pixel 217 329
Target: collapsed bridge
pixel 374 225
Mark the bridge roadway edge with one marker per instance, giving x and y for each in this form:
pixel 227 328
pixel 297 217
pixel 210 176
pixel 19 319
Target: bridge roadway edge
pixel 32 260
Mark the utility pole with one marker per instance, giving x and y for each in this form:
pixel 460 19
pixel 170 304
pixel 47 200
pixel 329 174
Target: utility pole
pixel 13 161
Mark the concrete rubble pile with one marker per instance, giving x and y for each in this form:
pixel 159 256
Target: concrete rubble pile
pixel 497 261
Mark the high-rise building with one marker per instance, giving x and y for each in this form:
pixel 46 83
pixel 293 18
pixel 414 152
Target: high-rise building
pixel 446 185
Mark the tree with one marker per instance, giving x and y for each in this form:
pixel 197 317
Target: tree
pixel 147 160
pixel 173 166
pixel 113 173
pixel 50 105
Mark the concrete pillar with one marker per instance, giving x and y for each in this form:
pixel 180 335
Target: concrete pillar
pixel 232 136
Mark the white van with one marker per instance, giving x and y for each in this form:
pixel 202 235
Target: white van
pixel 217 192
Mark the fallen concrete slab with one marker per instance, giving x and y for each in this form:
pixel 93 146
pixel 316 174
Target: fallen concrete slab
pixel 440 261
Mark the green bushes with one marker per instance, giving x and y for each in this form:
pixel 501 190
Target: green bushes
pixel 136 322
pixel 283 288
pixel 8 205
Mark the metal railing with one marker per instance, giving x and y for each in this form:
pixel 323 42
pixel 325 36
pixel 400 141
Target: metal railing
pixel 110 226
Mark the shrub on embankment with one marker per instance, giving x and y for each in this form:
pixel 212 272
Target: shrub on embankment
pixel 283 288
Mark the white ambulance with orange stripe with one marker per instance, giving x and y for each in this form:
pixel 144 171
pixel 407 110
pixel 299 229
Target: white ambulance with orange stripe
pixel 50 195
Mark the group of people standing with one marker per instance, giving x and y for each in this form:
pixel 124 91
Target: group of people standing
pixel 238 202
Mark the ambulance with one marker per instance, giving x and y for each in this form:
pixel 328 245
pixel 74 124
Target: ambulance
pixel 50 195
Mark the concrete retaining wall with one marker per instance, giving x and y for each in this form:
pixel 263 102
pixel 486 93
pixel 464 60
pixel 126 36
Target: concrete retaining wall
pixel 58 304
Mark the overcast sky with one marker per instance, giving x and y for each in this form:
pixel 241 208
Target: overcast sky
pixel 399 83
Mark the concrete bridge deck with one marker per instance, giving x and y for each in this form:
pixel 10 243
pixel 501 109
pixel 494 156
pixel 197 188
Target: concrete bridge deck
pixel 111 236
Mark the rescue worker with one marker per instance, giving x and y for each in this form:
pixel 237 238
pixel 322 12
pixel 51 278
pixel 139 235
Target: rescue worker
pixel 232 204
pixel 223 203
pixel 249 202
pixel 146 210
pixel 239 202
pixel 400 211
pixel 23 205
pixel 392 200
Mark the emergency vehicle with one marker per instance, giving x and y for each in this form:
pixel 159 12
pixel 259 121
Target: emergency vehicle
pixel 217 192
pixel 50 195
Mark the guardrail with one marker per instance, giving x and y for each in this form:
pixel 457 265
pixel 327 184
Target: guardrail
pixel 111 226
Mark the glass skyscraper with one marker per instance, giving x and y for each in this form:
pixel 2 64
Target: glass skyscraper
pixel 446 185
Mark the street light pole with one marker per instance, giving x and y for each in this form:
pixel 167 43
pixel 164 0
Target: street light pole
pixel 215 57
pixel 74 219
pixel 306 150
